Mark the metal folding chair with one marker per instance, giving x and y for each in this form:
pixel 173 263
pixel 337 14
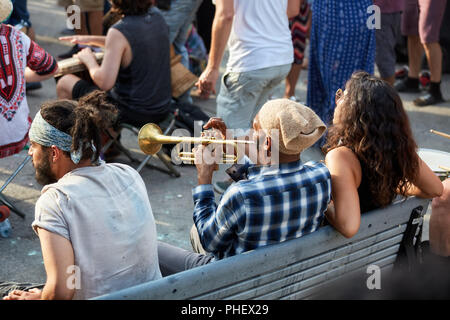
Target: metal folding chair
pixel 3 199
pixel 168 124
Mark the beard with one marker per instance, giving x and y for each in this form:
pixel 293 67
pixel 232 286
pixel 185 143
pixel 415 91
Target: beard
pixel 44 174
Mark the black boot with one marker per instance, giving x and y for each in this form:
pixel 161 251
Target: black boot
pixel 410 85
pixel 433 97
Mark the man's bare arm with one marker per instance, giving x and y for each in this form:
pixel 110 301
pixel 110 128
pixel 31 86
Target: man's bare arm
pixel 98 41
pixel 58 256
pixel 221 29
pixel 293 8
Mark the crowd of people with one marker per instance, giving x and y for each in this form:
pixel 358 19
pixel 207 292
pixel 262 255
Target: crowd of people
pixel 96 215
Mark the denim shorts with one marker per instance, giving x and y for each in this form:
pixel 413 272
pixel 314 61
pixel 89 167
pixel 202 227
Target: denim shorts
pixel 423 18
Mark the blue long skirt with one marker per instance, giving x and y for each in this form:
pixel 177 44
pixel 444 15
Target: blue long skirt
pixel 341 43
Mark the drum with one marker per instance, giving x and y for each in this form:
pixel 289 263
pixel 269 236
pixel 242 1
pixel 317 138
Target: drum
pixel 437 160
pixel 74 65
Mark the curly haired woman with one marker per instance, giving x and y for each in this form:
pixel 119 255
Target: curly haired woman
pixel 371 153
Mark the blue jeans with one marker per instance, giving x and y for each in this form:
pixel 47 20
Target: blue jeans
pixel 179 19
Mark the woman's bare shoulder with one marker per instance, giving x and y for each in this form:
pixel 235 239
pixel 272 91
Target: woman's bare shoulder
pixel 343 155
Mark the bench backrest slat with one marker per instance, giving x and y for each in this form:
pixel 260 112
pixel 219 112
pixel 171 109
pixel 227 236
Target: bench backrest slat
pixel 305 269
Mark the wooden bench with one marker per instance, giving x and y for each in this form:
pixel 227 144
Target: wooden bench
pixel 298 268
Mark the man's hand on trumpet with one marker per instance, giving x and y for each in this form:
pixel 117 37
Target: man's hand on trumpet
pixel 206 157
pixel 205 163
pixel 218 124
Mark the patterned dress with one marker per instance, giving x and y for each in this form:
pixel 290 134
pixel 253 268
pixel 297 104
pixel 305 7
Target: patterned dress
pixel 341 43
pixel 299 31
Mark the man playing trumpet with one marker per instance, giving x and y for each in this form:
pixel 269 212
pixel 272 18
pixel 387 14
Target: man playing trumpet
pixel 273 202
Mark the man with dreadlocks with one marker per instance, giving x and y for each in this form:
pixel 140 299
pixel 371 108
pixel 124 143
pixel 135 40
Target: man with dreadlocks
pixel 94 220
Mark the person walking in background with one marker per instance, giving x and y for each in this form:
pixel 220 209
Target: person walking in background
pixel 387 36
pixel 340 44
pixel 421 22
pixel 179 19
pixel 300 27
pixel 260 57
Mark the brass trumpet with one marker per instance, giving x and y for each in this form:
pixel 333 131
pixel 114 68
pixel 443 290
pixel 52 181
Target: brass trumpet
pixel 151 139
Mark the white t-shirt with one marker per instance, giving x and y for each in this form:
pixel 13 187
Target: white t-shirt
pixel 104 211
pixel 260 36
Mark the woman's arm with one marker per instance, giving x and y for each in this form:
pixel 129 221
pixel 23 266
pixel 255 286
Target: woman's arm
pixel 345 214
pixel 427 184
pixel 105 75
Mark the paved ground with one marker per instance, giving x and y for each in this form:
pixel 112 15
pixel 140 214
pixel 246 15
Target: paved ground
pixel 21 258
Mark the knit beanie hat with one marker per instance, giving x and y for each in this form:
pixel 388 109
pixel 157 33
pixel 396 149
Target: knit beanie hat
pixel 299 127
pixel 6 8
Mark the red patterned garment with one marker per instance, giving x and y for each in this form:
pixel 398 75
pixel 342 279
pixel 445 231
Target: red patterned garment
pixel 299 29
pixel 17 52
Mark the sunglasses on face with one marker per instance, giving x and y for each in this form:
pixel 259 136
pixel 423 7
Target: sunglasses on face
pixel 339 95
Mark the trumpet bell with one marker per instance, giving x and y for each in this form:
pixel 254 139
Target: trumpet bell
pixel 147 138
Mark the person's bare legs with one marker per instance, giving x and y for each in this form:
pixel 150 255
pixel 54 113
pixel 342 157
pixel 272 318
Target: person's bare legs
pixel 65 85
pixel 433 52
pixel 415 54
pixel 292 79
pixel 95 19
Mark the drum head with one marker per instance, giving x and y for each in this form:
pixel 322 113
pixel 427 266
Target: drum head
pixel 435 158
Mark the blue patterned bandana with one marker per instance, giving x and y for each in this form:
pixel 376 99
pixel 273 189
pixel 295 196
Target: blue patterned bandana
pixel 47 135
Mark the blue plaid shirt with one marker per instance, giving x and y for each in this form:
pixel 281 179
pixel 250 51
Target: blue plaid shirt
pixel 271 206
